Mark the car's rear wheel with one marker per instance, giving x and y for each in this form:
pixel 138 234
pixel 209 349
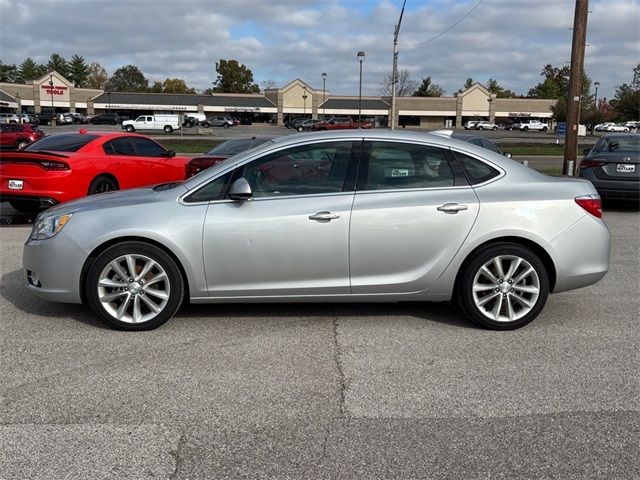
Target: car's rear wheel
pixel 503 287
pixel 525 129
pixel 102 184
pixel 494 128
pixel 168 129
pixel 134 286
pixel 130 128
pixel 300 129
pixel 25 206
pixel 544 129
pixel 225 125
pixel 205 124
pixel 480 128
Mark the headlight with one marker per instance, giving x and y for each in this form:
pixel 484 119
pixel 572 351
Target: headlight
pixel 48 226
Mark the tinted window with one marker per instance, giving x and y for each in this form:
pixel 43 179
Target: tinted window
pixel 232 147
pixel 147 148
pixel 304 170
pixel 403 165
pixel 489 145
pixel 628 144
pixel 119 146
pixel 66 142
pixel 214 190
pixel 475 170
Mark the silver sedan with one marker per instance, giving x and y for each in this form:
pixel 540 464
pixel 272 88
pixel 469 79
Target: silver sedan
pixel 350 216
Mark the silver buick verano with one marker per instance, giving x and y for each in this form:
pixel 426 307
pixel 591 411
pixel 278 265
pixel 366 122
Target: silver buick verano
pixel 347 216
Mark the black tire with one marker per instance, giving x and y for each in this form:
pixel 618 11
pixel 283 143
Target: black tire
pixel 544 129
pixel 173 283
pixel 130 128
pixel 225 125
pixel 494 128
pixel 480 128
pixel 23 142
pixel 300 129
pixel 25 206
pixel 168 129
pixel 206 124
pixel 102 184
pixel 464 294
pixel 526 129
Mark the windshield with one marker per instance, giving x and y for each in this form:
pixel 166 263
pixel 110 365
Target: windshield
pixel 233 147
pixel 626 144
pixel 66 142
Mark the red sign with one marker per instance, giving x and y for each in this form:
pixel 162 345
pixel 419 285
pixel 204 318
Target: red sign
pixel 54 89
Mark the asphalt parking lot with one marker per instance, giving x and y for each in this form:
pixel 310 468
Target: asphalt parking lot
pixel 324 391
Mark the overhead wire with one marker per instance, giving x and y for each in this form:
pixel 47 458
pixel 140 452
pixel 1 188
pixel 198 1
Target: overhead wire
pixel 445 31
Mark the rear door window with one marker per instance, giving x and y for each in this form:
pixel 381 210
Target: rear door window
pixel 475 170
pixel 119 146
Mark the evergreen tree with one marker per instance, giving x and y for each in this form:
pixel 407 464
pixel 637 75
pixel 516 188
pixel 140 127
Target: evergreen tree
pixel 30 70
pixel 8 73
pixel 627 99
pixel 428 89
pixel 78 71
pixel 59 64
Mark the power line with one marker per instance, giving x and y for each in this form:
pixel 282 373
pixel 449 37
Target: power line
pixel 447 30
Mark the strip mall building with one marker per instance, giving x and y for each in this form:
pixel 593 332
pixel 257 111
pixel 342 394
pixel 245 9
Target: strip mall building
pixel 277 105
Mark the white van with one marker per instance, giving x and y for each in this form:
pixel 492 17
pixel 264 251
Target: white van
pixel 168 123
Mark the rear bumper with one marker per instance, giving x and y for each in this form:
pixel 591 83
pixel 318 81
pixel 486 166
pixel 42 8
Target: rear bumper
pixel 581 254
pixel 613 189
pixel 44 201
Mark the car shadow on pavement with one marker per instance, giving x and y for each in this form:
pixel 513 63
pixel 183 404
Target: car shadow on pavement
pixel 14 290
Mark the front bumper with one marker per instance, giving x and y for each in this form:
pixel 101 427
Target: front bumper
pixel 57 264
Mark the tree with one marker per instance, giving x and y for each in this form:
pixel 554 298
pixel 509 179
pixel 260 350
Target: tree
pixel 428 89
pixel 176 85
pixel 234 77
pixel 268 84
pixel 500 92
pixel 30 70
pixel 468 83
pixel 627 98
pixel 556 86
pixel 405 85
pixel 59 64
pixel 127 79
pixel 8 73
pixel 96 76
pixel 78 71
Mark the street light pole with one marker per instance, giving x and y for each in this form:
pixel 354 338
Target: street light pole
pixel 304 99
pixel 596 84
pixel 394 69
pixel 53 119
pixel 360 57
pixel 324 80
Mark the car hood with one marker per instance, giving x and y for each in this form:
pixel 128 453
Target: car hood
pixel 121 198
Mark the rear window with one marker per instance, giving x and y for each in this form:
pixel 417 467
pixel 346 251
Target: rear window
pixel 619 144
pixel 476 170
pixel 233 147
pixel 66 142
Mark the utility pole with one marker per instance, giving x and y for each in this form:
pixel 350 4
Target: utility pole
pixel 575 86
pixel 394 69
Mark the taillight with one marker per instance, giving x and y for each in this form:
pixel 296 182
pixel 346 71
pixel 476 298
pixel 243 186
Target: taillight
pixel 591 163
pixel 591 203
pixel 51 165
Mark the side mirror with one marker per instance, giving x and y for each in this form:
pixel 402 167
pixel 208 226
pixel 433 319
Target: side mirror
pixel 240 190
pixel 170 154
pixel 507 154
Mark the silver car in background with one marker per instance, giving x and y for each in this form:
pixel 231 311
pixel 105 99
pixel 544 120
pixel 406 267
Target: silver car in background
pixel 346 216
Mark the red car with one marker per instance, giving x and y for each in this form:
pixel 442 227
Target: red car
pixel 17 136
pixel 223 151
pixel 62 167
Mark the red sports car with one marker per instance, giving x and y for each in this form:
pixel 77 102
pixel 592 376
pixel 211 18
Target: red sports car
pixel 62 167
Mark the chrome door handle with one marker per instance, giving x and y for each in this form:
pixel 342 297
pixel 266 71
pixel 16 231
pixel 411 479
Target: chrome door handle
pixel 324 216
pixel 451 208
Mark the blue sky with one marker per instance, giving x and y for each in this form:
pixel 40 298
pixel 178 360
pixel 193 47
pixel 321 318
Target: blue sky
pixel 279 40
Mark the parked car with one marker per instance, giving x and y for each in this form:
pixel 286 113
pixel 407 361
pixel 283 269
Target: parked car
pixel 632 125
pixel 223 151
pixel 340 123
pixel 470 125
pixel 602 127
pixel 106 119
pixel 166 123
pixel 485 125
pixel 44 118
pixel 294 122
pixel 613 166
pixel 224 122
pixel 510 126
pixel 62 167
pixel 9 118
pixel 193 119
pixel 526 125
pixel 616 127
pixel 64 118
pixel 17 136
pixel 306 125
pixel 78 118
pixel 473 139
pixel 328 217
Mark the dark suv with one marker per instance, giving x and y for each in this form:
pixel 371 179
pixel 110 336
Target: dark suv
pixel 106 119
pixel 16 136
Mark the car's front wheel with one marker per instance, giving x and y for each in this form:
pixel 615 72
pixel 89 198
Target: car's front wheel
pixel 168 129
pixel 503 287
pixel 134 286
pixel 205 124
pixel 130 128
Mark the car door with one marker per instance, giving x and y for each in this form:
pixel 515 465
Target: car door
pixel 412 211
pixel 291 238
pixel 154 159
